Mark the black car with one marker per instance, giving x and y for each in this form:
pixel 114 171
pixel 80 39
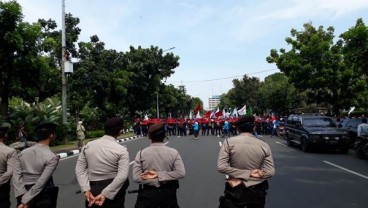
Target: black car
pixel 350 125
pixel 315 132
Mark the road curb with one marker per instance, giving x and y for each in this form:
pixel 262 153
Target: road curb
pixel 75 152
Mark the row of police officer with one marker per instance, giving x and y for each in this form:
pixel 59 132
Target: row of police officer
pixel 102 170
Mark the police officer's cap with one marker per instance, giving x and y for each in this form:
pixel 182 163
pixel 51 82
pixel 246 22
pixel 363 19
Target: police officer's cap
pixel 155 128
pixel 114 123
pixel 47 125
pixel 245 119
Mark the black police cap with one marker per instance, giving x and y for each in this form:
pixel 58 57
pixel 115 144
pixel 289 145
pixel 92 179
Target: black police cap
pixel 47 125
pixel 154 128
pixel 114 123
pixel 245 119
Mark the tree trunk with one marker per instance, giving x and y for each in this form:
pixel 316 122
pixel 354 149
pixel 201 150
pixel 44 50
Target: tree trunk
pixel 4 104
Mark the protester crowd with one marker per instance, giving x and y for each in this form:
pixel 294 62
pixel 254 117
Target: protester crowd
pixel 222 126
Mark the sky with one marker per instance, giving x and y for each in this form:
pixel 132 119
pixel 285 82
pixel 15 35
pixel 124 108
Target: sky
pixel 217 41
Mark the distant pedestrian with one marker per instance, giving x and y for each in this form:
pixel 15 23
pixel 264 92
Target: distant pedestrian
pixel 363 128
pixel 81 134
pixel 226 129
pixel 248 163
pixel 196 129
pixel 32 180
pixel 157 169
pixel 275 126
pixel 8 157
pixel 102 169
pixel 22 136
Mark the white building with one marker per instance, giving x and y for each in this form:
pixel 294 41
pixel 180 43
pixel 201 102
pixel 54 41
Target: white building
pixel 213 102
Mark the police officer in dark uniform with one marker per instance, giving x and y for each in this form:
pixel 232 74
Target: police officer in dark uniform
pixel 102 169
pixel 248 163
pixel 33 184
pixel 7 160
pixel 157 168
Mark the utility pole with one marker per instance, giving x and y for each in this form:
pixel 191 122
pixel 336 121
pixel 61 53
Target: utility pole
pixel 63 58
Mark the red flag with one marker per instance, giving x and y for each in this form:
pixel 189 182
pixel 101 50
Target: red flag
pixel 208 114
pixel 198 108
pixel 218 113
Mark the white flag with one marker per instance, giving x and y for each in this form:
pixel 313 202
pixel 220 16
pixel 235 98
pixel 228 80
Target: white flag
pixel 198 115
pixel 190 115
pixel 242 111
pixel 351 110
pixel 224 113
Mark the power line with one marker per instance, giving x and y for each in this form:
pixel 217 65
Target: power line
pixel 232 77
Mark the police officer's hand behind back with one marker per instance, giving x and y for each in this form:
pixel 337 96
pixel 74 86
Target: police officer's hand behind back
pixel 23 206
pixel 99 200
pixel 256 173
pixel 90 198
pixel 233 182
pixel 150 174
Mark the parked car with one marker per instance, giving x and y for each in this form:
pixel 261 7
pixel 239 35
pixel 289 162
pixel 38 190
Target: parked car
pixel 350 125
pixel 315 132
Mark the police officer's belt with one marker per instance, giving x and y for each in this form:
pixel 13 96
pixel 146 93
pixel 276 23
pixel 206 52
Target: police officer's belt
pixel 167 185
pixel 101 183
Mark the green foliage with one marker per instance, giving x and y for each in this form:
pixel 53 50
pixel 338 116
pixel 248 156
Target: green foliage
pixel 92 117
pixel 30 115
pixel 95 134
pixel 316 65
pixel 244 92
pixel 278 94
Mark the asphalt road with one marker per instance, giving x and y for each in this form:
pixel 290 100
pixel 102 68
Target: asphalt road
pixel 303 180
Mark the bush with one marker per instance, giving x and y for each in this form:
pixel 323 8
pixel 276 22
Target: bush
pixel 30 115
pixel 95 134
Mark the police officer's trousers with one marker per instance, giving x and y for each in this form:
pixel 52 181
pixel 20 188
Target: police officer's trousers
pixel 153 197
pixel 47 198
pixel 5 195
pixel 244 197
pixel 117 202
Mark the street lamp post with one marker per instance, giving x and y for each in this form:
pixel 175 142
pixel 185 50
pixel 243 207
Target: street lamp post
pixel 63 58
pixel 157 103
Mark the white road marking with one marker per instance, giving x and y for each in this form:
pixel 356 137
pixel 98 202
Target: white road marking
pixel 281 144
pixel 347 170
pixel 131 163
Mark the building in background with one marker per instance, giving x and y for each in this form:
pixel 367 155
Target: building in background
pixel 213 102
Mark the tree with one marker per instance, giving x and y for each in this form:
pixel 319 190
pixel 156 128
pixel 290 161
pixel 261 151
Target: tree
pixel 355 51
pixel 147 67
pixel 30 55
pixel 278 94
pixel 19 60
pixel 100 80
pixel 244 92
pixel 173 101
pixel 315 64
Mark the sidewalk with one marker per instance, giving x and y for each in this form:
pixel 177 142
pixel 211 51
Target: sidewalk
pixel 73 150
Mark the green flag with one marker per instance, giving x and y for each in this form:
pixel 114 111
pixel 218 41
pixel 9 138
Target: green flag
pixel 249 111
